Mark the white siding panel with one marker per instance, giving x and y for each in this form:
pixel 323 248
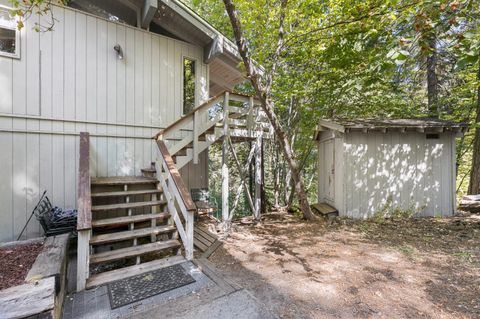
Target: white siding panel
pixel 19 75
pixel 58 83
pixel 6 188
pixel 33 182
pixel 339 174
pixel 19 150
pixel 58 155
pixel 32 57
pixel 398 170
pixel 6 85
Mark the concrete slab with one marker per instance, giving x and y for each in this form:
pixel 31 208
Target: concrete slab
pixel 208 297
pixel 237 305
pixel 94 303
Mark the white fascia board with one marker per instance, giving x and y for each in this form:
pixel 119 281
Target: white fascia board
pixel 330 125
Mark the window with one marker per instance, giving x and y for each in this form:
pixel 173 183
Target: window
pixel 9 35
pixel 189 82
pixel 432 136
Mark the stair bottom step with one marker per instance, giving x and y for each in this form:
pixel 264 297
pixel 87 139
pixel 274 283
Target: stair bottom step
pixel 118 274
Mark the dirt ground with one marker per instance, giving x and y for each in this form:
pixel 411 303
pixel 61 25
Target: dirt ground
pixel 403 268
pixel 15 262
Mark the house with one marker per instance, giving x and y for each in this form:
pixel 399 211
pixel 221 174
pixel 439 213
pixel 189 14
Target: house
pixel 367 166
pixel 85 109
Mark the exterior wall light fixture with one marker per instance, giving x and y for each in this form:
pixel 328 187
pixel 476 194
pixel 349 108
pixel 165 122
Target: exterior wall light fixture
pixel 119 51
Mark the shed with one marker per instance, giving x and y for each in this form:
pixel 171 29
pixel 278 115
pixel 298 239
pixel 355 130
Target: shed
pixel 367 166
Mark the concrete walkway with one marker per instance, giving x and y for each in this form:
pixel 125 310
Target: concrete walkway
pixel 237 305
pixel 210 296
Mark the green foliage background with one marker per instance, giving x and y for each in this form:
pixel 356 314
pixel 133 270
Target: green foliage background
pixel 347 58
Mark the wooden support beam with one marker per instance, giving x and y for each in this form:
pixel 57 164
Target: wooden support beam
pixel 83 256
pixel 242 177
pixel 196 133
pixel 149 9
pixel 258 177
pixel 225 177
pixel 239 189
pixel 250 122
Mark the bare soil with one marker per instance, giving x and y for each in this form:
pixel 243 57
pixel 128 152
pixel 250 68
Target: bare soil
pixel 396 268
pixel 15 262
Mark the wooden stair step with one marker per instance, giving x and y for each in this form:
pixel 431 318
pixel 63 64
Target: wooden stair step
pixel 128 205
pixel 148 170
pixel 131 234
pixel 127 180
pixel 117 274
pixel 133 251
pixel 128 219
pixel 127 193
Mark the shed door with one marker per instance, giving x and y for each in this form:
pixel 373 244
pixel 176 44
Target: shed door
pixel 329 170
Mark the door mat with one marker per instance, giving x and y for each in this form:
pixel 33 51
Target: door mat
pixel 139 287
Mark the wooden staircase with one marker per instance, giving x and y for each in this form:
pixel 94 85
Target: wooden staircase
pixel 130 224
pixel 143 223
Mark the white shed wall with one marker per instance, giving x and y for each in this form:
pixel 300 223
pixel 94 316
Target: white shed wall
pixel 404 170
pixel 70 80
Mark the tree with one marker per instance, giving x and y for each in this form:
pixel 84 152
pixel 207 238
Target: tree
pixel 263 90
pixel 474 186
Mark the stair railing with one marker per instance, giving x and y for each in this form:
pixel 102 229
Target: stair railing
pixel 84 217
pixel 176 195
pixel 188 128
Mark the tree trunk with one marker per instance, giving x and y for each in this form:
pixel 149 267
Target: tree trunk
pixel 263 94
pixel 474 186
pixel 432 81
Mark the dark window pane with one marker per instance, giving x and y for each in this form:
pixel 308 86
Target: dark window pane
pixel 188 85
pixel 7 40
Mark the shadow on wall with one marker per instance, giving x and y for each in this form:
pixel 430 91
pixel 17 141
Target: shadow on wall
pixel 406 176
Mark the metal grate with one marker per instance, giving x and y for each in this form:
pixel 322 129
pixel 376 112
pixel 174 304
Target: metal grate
pixel 136 288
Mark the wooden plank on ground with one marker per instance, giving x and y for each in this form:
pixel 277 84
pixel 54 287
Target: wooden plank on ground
pixel 205 238
pixel 28 300
pixel 50 260
pixel 209 269
pixel 324 209
pixel 199 244
pixel 205 241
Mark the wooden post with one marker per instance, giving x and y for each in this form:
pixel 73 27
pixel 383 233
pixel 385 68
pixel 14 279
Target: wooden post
pixel 83 255
pixel 225 183
pixel 84 217
pixel 250 122
pixel 196 124
pixel 258 177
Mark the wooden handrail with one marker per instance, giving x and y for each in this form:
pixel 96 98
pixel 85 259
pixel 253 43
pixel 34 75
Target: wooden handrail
pixel 208 103
pixel 189 114
pixel 84 200
pixel 176 177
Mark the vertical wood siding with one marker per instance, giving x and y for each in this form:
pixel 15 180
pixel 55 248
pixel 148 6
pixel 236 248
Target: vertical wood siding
pixel 398 170
pixel 70 80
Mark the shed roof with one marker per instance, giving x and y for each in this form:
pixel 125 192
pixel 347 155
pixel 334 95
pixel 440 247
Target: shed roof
pixel 420 125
